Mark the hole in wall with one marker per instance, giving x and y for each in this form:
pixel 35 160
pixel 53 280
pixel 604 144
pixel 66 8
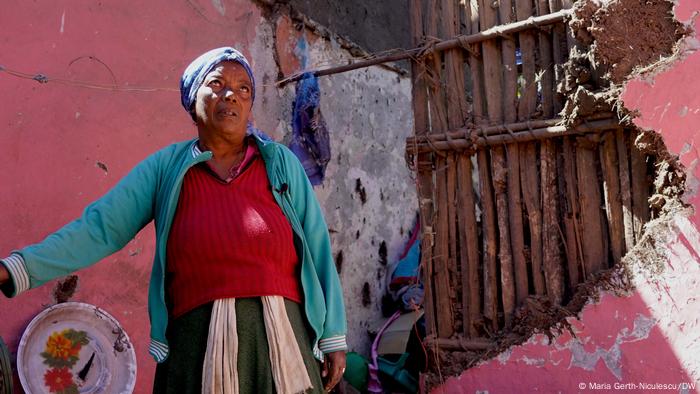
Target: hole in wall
pixel 590 83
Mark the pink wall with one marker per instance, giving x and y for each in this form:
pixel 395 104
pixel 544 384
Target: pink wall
pixel 53 135
pixel 653 336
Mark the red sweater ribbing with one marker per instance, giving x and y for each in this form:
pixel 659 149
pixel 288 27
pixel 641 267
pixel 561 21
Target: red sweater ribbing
pixel 229 240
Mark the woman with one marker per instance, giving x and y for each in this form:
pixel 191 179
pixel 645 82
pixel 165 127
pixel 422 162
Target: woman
pixel 239 233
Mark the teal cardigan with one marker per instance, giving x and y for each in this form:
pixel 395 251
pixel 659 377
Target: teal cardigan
pixel 150 192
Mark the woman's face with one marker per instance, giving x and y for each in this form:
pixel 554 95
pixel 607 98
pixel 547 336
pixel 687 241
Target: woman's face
pixel 224 100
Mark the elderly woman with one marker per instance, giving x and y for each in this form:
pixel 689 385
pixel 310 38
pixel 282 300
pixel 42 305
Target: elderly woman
pixel 244 295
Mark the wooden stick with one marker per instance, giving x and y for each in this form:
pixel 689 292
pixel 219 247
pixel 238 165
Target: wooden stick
pixel 485 299
pixel 528 100
pixel 423 166
pixel 611 192
pixel 492 66
pixel 516 271
pixel 546 65
pixel 510 69
pixel 551 259
pixel 508 128
pixel 452 221
pixel 559 54
pixel 551 253
pixel 456 114
pixel 488 222
pixel 531 195
pixel 493 80
pixel 457 108
pixel 469 252
pixel 500 185
pixel 527 105
pixel 475 65
pixel 594 253
pixel 460 344
pixel 460 41
pixel 571 214
pixel 523 136
pixel 640 190
pixel 515 209
pixel 443 297
pixel 438 120
pixel 625 188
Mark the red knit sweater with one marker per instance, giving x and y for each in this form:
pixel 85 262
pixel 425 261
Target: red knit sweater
pixel 229 240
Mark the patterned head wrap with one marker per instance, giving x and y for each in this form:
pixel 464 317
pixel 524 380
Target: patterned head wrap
pixel 194 74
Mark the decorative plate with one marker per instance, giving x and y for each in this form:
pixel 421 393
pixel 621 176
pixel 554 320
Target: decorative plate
pixel 73 348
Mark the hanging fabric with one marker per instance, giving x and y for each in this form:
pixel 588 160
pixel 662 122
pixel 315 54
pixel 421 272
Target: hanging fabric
pixel 310 141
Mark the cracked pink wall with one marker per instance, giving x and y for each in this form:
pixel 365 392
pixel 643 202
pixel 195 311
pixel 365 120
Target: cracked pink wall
pixel 653 336
pixel 53 135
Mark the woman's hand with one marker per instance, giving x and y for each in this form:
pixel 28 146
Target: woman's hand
pixel 333 369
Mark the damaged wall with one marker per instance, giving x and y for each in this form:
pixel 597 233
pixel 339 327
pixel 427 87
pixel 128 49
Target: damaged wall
pixel 647 338
pixel 63 146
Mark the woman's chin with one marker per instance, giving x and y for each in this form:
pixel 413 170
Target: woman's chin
pixel 227 130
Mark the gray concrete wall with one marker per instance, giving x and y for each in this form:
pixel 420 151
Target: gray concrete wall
pixel 374 25
pixel 368 195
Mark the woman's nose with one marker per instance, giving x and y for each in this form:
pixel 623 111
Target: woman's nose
pixel 229 94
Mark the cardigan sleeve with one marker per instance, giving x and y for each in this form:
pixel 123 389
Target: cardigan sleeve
pixel 315 230
pixel 104 227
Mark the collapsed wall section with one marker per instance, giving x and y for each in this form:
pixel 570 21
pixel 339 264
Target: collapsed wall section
pixel 632 57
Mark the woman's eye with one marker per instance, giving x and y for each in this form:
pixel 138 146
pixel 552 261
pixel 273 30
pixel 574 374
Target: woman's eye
pixel 215 83
pixel 245 89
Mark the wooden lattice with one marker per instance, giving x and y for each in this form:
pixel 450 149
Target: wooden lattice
pixel 513 204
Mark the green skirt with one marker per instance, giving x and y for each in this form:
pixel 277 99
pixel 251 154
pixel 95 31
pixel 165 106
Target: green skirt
pixel 187 335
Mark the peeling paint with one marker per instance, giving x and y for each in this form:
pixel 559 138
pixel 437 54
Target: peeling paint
pixel 503 357
pixel 538 362
pixel 220 7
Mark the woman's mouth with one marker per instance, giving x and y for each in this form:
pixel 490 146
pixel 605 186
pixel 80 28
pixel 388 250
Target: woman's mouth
pixel 228 113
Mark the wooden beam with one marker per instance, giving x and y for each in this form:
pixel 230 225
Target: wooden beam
pixel 469 252
pixel 640 189
pixel 457 111
pixel 625 187
pixel 459 41
pixel 474 344
pixel 523 136
pixel 531 195
pixel 516 271
pixel 438 121
pixel 423 165
pixel 551 239
pixel 611 192
pixel 571 214
pixel 593 244
pixel 493 80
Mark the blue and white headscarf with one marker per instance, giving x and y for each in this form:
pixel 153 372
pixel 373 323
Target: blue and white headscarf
pixel 194 74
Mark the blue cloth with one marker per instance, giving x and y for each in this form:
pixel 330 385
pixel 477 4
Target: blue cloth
pixel 194 74
pixel 407 267
pixel 310 141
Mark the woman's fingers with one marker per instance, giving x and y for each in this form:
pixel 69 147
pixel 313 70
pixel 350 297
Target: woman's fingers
pixel 335 367
pixel 324 368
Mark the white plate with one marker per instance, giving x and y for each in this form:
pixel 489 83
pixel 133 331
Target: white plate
pixel 59 343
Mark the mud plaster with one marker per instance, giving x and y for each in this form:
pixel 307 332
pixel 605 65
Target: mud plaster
pixel 65 289
pixel 616 40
